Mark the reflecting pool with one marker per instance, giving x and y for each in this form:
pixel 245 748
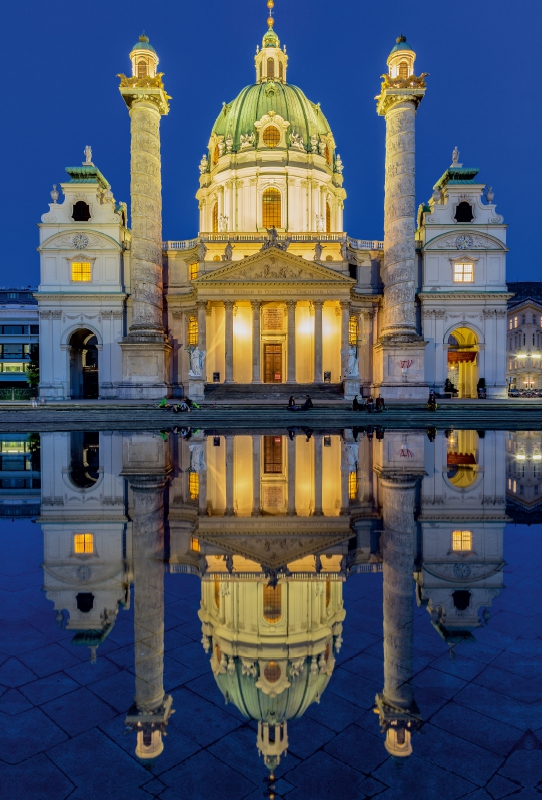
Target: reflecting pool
pixel 298 613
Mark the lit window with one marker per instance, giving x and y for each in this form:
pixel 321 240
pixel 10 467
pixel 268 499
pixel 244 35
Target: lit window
pixel 462 540
pixel 192 330
pixel 272 672
pixel 271 136
pixel 352 485
pixel 194 544
pixel 215 218
pixel 142 69
pixel 328 218
pixel 514 486
pixel 353 330
pixel 515 322
pixel 327 154
pixel 403 69
pixel 83 543
pixel 281 70
pixel 510 483
pixel 271 208
pixel 217 594
pixel 270 68
pixel 193 485
pixel 81 271
pixel 463 273
pixel 272 603
pixel 193 270
pixel 510 323
pixel 13 367
pixel 216 154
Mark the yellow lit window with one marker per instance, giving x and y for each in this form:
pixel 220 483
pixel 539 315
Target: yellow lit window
pixel 271 136
pixel 462 540
pixel 463 273
pixel 403 69
pixel 270 68
pixel 515 322
pixel 193 270
pixel 194 544
pixel 193 485
pixel 215 218
pixel 192 330
pixel 83 543
pixel 352 485
pixel 327 154
pixel 271 208
pixel 81 271
pixel 141 69
pixel 217 594
pixel 216 154
pixel 272 603
pixel 353 330
pixel 328 218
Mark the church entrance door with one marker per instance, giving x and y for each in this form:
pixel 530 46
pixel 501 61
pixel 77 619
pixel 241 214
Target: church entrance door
pixel 84 365
pixel 272 363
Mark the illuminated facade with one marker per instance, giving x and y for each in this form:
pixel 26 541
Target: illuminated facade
pixel 272 290
pixel 524 337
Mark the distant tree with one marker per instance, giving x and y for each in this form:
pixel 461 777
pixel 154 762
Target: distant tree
pixel 33 371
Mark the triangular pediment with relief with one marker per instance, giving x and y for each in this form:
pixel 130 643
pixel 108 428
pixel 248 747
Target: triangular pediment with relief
pixel 274 266
pixel 79 240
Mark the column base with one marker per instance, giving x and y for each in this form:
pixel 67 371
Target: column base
pixel 351 388
pixel 196 388
pixel 399 368
pixel 145 370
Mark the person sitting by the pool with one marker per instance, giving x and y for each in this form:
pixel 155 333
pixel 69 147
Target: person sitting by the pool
pixel 307 404
pixel 356 405
pixel 292 404
pixel 370 404
pixel 163 403
pixel 432 401
pixel 380 406
pixel 181 407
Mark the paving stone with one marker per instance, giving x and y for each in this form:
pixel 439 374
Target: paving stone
pixel 438 682
pixel 154 787
pixel 78 711
pixel 35 779
pixel 455 754
pixel 45 689
pixel 499 787
pixel 117 690
pixel 13 673
pixel 306 736
pixel 461 666
pixel 370 787
pixel 192 656
pixel 200 720
pixel 499 681
pixel 85 672
pixel 418 778
pixel 354 688
pixel 358 748
pixel 47 660
pixel 13 702
pixel 498 706
pixel 368 666
pixel 204 776
pixel 177 674
pixel 334 712
pixel 238 750
pixel 323 777
pixel 524 767
pixel 477 728
pixel 26 735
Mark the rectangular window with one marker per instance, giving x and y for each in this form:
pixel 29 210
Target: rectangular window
pixel 193 270
pixel 523 319
pixel 34 330
pixel 462 540
pixel 463 273
pixel 272 455
pixel 81 271
pixel 194 543
pixel 510 484
pixel 13 330
pixel 352 485
pixel 515 322
pixel 192 331
pixel 510 323
pixel 13 350
pixel 12 367
pixel 193 485
pixel 83 543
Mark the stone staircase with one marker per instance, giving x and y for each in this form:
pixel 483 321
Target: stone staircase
pixel 275 392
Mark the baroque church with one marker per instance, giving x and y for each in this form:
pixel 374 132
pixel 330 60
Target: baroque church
pixel 272 290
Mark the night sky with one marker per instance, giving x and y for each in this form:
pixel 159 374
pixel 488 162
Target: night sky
pixel 60 63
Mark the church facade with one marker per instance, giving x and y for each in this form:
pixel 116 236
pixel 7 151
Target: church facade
pixel 272 290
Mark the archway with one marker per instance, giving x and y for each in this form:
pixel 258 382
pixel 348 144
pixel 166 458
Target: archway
pixel 84 365
pixel 463 362
pixel 84 459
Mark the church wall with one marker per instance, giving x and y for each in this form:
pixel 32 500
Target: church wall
pixel 331 341
pixel 304 476
pixel 243 479
pixel 216 474
pixel 331 477
pixel 304 358
pixel 242 343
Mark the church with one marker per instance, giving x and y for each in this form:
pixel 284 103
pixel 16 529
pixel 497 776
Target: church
pixel 271 290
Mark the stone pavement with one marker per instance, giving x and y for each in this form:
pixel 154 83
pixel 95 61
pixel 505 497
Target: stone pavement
pixel 62 718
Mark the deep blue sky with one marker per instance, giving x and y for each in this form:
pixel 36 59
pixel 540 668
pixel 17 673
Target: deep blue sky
pixel 61 92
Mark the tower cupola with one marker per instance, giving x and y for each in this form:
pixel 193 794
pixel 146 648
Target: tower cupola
pixel 401 59
pixel 271 62
pixel 144 58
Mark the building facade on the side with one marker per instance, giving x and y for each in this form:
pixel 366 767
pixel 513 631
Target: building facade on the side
pixel 19 330
pixel 524 336
pixel 272 290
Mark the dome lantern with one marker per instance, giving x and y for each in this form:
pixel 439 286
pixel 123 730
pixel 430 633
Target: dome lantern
pixel 271 62
pixel 144 58
pixel 401 59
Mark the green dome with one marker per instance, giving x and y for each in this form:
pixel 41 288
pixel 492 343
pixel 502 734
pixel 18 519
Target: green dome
pixel 143 44
pixel 401 44
pixel 253 102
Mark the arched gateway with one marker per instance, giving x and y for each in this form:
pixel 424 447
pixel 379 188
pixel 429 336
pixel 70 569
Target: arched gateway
pixel 84 365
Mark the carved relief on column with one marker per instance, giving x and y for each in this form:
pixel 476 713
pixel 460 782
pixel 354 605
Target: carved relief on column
pixel 256 341
pixel 291 306
pixel 318 305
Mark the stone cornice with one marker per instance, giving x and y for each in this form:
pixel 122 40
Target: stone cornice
pixel 69 296
pixel 458 295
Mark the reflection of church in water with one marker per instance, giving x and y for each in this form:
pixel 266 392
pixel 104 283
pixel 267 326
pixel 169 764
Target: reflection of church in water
pixel 273 525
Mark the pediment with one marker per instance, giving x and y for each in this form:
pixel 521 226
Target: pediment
pixel 79 240
pixel 274 266
pixel 464 240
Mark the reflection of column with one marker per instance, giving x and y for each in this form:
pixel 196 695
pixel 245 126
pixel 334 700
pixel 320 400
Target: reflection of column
pixel 229 476
pixel 256 460
pixel 291 304
pixel 345 338
pixel 291 477
pixel 318 475
pixel 256 337
pixel 318 377
pixel 399 714
pixel 345 478
pixel 202 331
pixel 152 707
pixel 228 305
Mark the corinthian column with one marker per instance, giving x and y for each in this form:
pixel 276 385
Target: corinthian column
pixel 145 351
pixel 399 371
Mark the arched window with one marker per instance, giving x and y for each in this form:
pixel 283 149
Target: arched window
pixel 193 270
pixel 272 674
pixel 270 67
pixel 271 136
pixel 193 485
pixel 463 212
pixel 216 154
pixel 217 600
pixel 271 208
pixel 327 154
pixel 142 69
pixel 403 69
pixel 281 70
pixel 215 218
pixel 260 70
pixel 85 602
pixel 192 330
pixel 461 598
pixel 353 330
pixel 328 218
pixel 352 485
pixel 272 603
pixel 328 593
pixel 81 211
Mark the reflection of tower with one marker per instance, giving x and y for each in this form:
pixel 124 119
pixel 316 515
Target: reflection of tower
pixel 145 351
pixel 146 466
pixel 399 714
pixel 399 354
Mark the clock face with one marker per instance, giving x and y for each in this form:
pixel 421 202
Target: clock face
pixel 80 241
pixel 461 570
pixel 463 242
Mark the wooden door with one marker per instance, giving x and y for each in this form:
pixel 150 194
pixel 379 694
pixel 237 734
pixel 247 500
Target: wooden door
pixel 272 363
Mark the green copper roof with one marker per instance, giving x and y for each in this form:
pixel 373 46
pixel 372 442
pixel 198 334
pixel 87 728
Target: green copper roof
pixel 143 44
pixel 401 44
pixel 84 174
pixel 239 116
pixel 457 175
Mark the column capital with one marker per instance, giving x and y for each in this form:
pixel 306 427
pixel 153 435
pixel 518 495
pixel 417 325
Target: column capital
pixel 344 304
pixel 290 303
pixel 318 303
pixel 256 304
pixel 228 304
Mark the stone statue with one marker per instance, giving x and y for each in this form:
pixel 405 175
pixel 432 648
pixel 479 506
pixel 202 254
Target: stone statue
pixel 197 457
pixel 222 223
pixel 322 147
pixel 88 156
pixel 272 239
pixel 296 141
pixel 320 223
pixel 221 148
pixel 489 194
pixel 55 194
pixel 197 362
pixel 229 143
pixel 436 196
pixel 228 252
pixel 351 453
pixel 202 250
pixel 455 157
pixel 203 164
pixel 314 143
pixel 352 363
pixel 318 250
pixel 339 165
pixel 344 251
pixel 247 140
